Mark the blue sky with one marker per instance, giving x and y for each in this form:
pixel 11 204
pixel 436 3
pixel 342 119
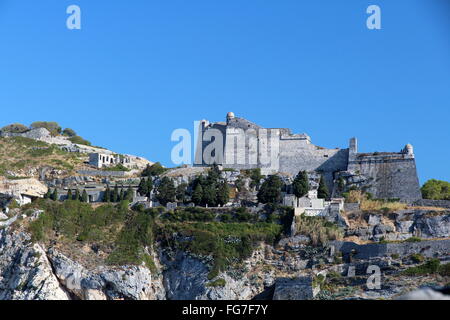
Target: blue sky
pixel 140 69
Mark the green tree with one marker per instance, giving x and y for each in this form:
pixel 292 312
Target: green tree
pixel 153 170
pixel 69 195
pixel 121 194
pixel 84 196
pixel 209 195
pixel 322 192
pixel 197 195
pixel 48 195
pixel 77 195
pixel 436 190
pixel 54 195
pixel 115 194
pixel 301 184
pixel 15 128
pixel 69 132
pixel 129 194
pixel 145 187
pixel 223 193
pixel 181 192
pixel 270 191
pixel 107 195
pixel 52 127
pixel 166 191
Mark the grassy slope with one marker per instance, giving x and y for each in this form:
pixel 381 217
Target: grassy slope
pixel 19 155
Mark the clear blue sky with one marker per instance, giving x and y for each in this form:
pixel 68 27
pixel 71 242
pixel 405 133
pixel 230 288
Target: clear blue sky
pixel 140 69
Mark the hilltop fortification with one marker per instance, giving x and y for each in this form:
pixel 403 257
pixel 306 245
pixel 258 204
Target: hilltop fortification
pixel 240 144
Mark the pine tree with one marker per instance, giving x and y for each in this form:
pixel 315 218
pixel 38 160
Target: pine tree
pixel 322 192
pixel 69 195
pixel 270 191
pixel 54 195
pixel 84 196
pixel 166 191
pixel 301 184
pixel 197 195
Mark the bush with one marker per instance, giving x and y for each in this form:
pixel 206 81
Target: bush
pixel 417 258
pixel 430 267
pixel 318 229
pixel 69 132
pixel 217 283
pixel 80 140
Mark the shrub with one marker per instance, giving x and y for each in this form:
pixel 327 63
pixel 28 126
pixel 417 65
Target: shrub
pixel 80 140
pixel 69 132
pixel 318 229
pixel 417 258
pixel 217 283
pixel 432 266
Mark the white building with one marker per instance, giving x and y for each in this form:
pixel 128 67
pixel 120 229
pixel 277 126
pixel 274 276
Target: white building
pixel 310 205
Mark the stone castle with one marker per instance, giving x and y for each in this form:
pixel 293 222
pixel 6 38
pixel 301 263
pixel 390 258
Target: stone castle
pixel 240 144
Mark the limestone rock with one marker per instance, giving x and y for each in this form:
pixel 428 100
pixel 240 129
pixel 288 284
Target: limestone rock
pixel 25 272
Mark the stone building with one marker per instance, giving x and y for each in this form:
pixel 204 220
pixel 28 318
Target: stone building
pixel 240 144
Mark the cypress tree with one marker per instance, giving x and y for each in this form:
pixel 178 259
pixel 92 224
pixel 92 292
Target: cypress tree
pixel 121 194
pixel 115 194
pixel 223 193
pixel 48 195
pixel 84 196
pixel 322 192
pixel 142 189
pixel 77 196
pixel 69 194
pixel 301 184
pixel 197 195
pixel 107 196
pixel 129 194
pixel 54 195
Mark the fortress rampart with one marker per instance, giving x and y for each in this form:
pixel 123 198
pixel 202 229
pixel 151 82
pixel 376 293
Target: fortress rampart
pixel 241 144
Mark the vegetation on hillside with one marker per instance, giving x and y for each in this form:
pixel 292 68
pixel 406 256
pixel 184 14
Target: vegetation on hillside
pixel 23 153
pixel 436 190
pixel 128 236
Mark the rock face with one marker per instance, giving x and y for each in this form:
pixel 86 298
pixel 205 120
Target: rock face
pixel 186 278
pixel 127 283
pixel 17 188
pixel 25 272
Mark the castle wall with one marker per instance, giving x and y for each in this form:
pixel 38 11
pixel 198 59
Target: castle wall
pixel 391 175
